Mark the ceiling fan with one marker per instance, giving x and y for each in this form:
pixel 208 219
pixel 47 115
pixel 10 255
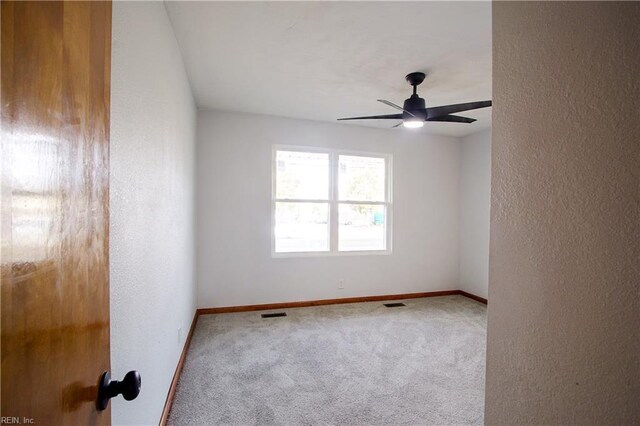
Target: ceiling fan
pixel 414 111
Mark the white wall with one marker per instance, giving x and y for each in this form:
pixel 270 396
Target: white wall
pixel 151 202
pixel 235 266
pixel 475 206
pixel 563 336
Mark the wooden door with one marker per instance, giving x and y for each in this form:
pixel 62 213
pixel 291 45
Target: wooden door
pixel 55 210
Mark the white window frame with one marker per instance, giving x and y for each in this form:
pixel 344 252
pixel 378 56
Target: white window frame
pixel 334 203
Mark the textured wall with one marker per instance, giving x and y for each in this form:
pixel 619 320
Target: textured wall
pixel 152 223
pixel 564 319
pixel 235 266
pixel 475 204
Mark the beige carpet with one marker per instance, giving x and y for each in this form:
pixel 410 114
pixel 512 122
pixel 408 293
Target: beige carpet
pixel 352 364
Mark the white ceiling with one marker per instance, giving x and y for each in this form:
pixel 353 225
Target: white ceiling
pixel 324 60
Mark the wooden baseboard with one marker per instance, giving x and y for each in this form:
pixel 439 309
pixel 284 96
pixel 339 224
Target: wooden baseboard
pixel 176 376
pixel 473 296
pixel 307 303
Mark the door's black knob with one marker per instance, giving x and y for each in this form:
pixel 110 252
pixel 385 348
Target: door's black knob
pixel 129 387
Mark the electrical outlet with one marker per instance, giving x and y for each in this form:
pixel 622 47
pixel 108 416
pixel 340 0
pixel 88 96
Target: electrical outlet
pixel 340 284
pixel 179 335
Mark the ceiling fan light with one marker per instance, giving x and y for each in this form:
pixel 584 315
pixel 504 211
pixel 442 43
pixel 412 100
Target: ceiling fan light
pixel 413 124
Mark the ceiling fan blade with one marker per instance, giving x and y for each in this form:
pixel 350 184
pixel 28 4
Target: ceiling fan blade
pixel 452 119
pixel 375 117
pixel 450 109
pixel 391 104
pixel 397 125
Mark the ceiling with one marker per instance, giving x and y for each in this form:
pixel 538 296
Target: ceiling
pixel 324 60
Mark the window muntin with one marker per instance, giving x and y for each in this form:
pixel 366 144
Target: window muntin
pixel 330 202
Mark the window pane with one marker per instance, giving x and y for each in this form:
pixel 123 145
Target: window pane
pixel 302 227
pixel 361 227
pixel 361 178
pixel 302 175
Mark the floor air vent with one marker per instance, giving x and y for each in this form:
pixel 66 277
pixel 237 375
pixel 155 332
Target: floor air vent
pixel 274 315
pixel 394 305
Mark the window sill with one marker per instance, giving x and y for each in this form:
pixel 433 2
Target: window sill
pixel 331 253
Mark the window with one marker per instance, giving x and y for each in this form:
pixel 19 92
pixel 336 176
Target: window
pixel 330 202
pixel 301 201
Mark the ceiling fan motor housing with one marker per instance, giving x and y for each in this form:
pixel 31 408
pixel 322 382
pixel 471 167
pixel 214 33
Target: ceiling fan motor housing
pixel 416 106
